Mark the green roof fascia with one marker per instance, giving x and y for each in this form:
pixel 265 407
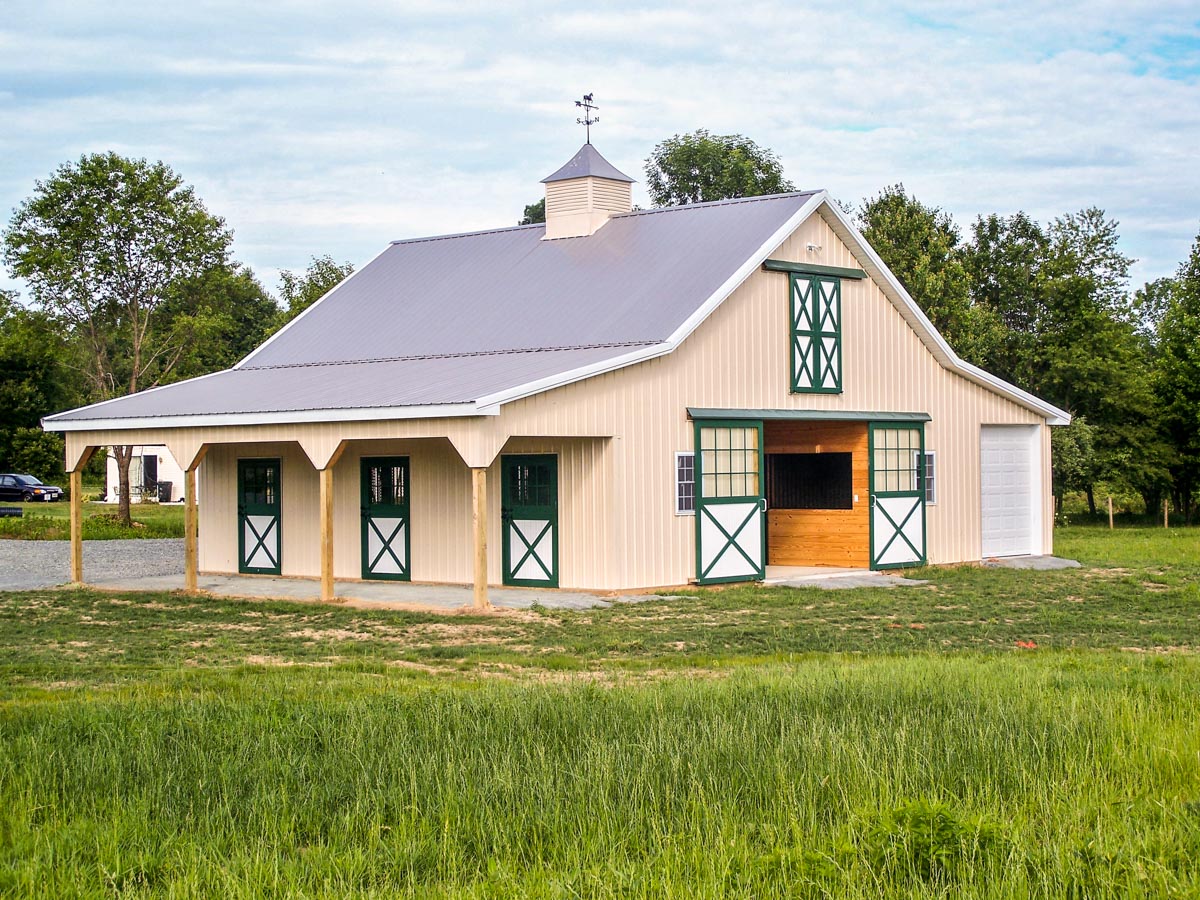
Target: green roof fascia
pixel 782 265
pixel 809 415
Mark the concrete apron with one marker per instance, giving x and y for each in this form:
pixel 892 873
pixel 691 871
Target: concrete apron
pixel 446 597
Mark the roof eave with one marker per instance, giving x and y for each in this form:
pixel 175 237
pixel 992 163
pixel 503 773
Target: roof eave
pixel 916 318
pixel 280 417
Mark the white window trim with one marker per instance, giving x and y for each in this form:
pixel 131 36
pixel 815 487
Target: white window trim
pixel 679 454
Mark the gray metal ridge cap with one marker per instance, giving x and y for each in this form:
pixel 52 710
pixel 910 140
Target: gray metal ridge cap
pixel 587 161
pixel 462 354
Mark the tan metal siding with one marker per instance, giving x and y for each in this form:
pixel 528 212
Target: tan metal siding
pixel 299 523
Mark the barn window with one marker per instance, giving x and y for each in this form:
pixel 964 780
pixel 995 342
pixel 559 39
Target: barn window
pixel 685 484
pixel 930 478
pixel 729 464
pixel 810 481
pixel 816 327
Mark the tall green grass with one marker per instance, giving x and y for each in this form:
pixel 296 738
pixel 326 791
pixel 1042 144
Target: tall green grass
pixel 1058 775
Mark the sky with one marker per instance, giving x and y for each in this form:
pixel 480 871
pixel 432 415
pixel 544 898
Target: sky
pixel 332 128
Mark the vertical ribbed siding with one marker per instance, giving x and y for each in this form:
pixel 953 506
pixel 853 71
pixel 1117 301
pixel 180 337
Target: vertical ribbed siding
pixel 299 519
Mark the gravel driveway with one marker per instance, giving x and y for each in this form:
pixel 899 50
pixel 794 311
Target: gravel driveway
pixel 36 564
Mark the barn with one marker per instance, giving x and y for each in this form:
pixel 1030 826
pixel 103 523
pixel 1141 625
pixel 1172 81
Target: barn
pixel 617 399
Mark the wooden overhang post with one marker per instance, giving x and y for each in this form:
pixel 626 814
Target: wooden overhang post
pixel 76 526
pixel 326 474
pixel 190 563
pixel 324 459
pixel 75 471
pixel 189 455
pixel 479 529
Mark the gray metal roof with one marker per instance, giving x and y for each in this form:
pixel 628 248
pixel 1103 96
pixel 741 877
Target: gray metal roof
pixel 384 384
pixel 453 319
pixel 633 281
pixel 587 161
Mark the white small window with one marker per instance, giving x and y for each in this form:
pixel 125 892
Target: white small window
pixel 930 474
pixel 685 484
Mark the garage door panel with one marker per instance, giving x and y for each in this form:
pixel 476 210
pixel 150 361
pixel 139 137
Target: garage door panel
pixel 1007 488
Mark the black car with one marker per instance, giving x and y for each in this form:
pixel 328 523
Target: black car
pixel 27 488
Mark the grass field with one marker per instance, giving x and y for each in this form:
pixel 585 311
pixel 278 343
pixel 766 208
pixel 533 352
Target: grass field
pixel 51 522
pixel 992 734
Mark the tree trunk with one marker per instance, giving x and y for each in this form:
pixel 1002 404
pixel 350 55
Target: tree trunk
pixel 124 455
pixel 1091 498
pixel 1152 499
pixel 1058 501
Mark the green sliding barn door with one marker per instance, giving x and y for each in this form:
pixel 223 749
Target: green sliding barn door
pixel 529 519
pixel 385 520
pixel 897 495
pixel 259 509
pixel 731 519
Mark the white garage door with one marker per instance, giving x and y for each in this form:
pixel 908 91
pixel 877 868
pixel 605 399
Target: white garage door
pixel 1009 477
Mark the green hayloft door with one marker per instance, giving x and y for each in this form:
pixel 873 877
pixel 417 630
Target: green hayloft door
pixel 529 519
pixel 259 509
pixel 385 521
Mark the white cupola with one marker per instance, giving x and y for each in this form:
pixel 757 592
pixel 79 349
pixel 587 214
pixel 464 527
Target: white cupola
pixel 583 194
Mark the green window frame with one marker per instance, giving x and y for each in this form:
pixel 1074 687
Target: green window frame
pixel 815 334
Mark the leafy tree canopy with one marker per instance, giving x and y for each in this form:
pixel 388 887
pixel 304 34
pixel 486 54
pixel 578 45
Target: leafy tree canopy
pixel 1177 376
pixel 232 310
pixel 535 213
pixel 302 291
pixel 105 243
pixel 920 244
pixel 698 167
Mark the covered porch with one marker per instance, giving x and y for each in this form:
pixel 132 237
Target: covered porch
pixel 346 515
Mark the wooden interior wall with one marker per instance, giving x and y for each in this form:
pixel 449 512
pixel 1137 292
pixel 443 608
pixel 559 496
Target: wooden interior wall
pixel 821 537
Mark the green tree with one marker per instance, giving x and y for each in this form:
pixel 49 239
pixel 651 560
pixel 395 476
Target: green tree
pixel 302 291
pixel 1004 262
pixel 34 381
pixel 1073 451
pixel 1177 379
pixel 232 310
pixel 698 167
pixel 921 245
pixel 535 213
pixel 104 244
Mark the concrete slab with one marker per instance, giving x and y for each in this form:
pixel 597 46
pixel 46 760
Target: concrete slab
pixel 859 578
pixel 788 574
pixel 1036 563
pixel 442 597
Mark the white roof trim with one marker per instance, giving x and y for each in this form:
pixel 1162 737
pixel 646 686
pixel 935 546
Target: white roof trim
pixel 285 417
pixel 920 323
pixel 97 405
pixel 732 283
pixel 333 290
pixel 572 375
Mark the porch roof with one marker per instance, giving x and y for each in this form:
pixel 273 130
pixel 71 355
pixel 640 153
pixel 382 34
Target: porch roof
pixel 807 415
pixel 441 386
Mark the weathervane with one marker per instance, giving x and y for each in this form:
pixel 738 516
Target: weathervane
pixel 588 119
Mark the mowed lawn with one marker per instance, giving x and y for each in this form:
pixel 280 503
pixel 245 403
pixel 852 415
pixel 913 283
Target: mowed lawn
pixel 994 733
pixel 51 521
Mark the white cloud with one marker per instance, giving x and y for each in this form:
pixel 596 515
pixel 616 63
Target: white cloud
pixel 317 128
